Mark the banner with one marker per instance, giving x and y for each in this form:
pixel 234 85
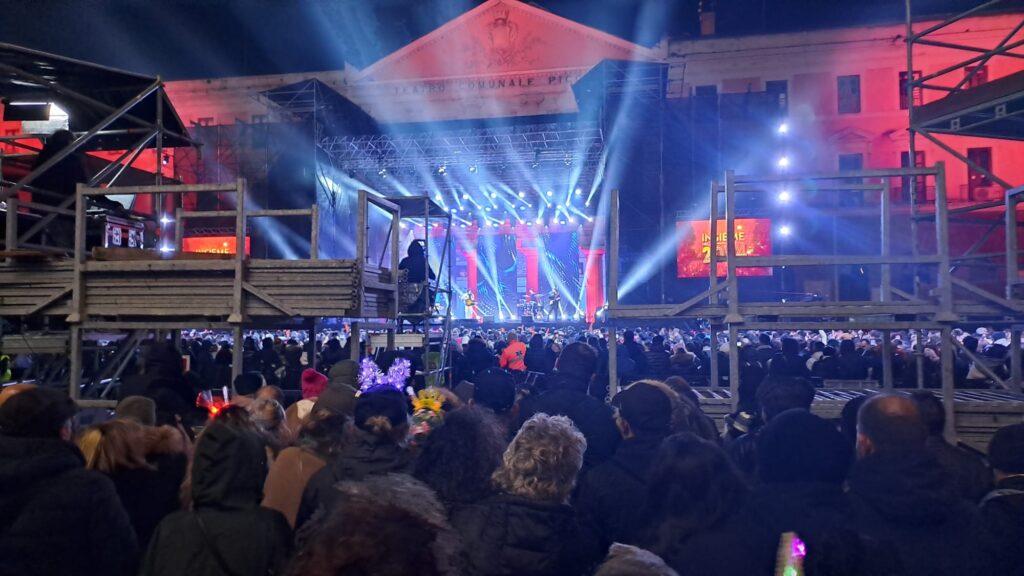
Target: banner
pixel 213 244
pixel 693 259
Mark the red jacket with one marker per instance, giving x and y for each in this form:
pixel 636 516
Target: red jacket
pixel 513 356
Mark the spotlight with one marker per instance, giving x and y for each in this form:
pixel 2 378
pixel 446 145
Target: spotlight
pixel 785 196
pixel 454 210
pixel 165 248
pixel 522 207
pixel 540 220
pixel 383 172
pixel 587 203
pixel 572 220
pixel 488 209
pixel 562 222
pixel 783 127
pixel 443 169
pixel 522 194
pixel 165 219
pixel 783 162
pixel 401 225
pixel 550 193
pixel 785 230
pixel 579 192
pixel 165 159
pixel 473 168
pixel 512 317
pixel 463 225
pixel 494 194
pixel 465 196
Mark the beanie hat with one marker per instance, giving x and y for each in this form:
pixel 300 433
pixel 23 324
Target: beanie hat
pixel 337 399
pixel 36 413
pixel 391 404
pixel 494 389
pixel 248 383
pixel 345 372
pixel 1006 450
pixel 797 446
pixel 313 383
pixel 646 408
pixel 137 408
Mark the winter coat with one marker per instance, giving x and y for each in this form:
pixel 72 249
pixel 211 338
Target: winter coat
pixel 56 517
pixel 658 362
pixel 364 455
pixel 537 360
pixel 612 494
pixel 971 476
pixel 1002 511
pixel 226 533
pixel 289 475
pixel 506 534
pixel 568 397
pixel 905 497
pixel 809 509
pixel 738 545
pixel 851 367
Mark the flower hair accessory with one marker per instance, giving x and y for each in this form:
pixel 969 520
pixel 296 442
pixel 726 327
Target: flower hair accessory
pixel 371 379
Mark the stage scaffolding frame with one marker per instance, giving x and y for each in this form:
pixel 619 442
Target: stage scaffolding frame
pixel 951 301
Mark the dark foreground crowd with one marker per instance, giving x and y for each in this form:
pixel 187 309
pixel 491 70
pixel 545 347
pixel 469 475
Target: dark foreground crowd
pixel 495 476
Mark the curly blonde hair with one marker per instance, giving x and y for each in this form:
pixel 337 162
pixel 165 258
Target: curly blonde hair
pixel 543 460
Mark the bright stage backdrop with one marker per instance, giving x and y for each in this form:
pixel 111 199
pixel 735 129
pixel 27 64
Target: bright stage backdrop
pixel 693 259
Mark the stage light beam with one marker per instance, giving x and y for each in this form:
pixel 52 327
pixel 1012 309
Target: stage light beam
pixel 785 196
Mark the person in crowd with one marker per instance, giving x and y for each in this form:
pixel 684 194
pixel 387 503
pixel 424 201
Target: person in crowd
pixel 458 458
pixel 635 351
pixel 802 463
pixel 59 183
pixel 117 449
pixel 695 514
pixel 391 526
pixel 765 350
pixel 268 416
pixel 478 358
pixel 513 357
pixel 250 355
pixel 536 360
pixel 693 417
pixel 972 477
pixel 787 361
pixel 683 364
pixel 164 381
pixel 626 560
pixel 340 394
pixel 269 360
pixel 827 367
pixel 657 357
pixel 1002 509
pixel 293 366
pixel 332 353
pixel 56 517
pixel 313 385
pixel 848 418
pixel 494 390
pixel 901 494
pixel 775 395
pixel 850 363
pixel 528 527
pixel 612 493
pixel 226 531
pixel 138 409
pixel 378 445
pixel 567 395
pixel 319 440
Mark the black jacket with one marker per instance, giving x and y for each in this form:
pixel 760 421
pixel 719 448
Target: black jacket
pixel 971 476
pixel 1002 510
pixel 364 455
pixel 56 517
pixel 612 494
pixel 739 545
pixel 537 360
pixel 809 509
pixel 227 533
pixel 658 363
pixel 147 496
pixel 905 497
pixel 505 534
pixel 568 397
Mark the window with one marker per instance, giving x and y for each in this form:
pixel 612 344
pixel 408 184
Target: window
pixel 976 179
pixel 977 78
pixel 780 89
pixel 920 182
pixel 903 90
pixel 849 94
pixel 706 91
pixel 851 163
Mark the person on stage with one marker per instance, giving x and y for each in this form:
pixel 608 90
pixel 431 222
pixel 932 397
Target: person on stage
pixel 554 305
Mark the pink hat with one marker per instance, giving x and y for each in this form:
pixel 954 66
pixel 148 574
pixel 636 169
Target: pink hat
pixel 313 383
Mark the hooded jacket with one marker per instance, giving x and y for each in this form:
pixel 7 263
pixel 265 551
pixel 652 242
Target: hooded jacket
pixel 612 494
pixel 56 517
pixel 226 533
pixel 365 455
pixel 506 534
pixel 906 498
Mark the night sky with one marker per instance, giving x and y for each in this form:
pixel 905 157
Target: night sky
pixel 208 38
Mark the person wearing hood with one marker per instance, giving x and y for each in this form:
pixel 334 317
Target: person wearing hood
pixel 226 531
pixel 901 494
pixel 56 517
pixel 612 493
pixel 164 381
pixel 528 528
pixel 568 395
pixel 1003 508
pixel 377 444
pixel 802 463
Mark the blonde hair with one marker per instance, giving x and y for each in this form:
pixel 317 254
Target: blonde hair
pixel 114 445
pixel 543 460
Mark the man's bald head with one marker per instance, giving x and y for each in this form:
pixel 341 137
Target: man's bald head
pixel 889 422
